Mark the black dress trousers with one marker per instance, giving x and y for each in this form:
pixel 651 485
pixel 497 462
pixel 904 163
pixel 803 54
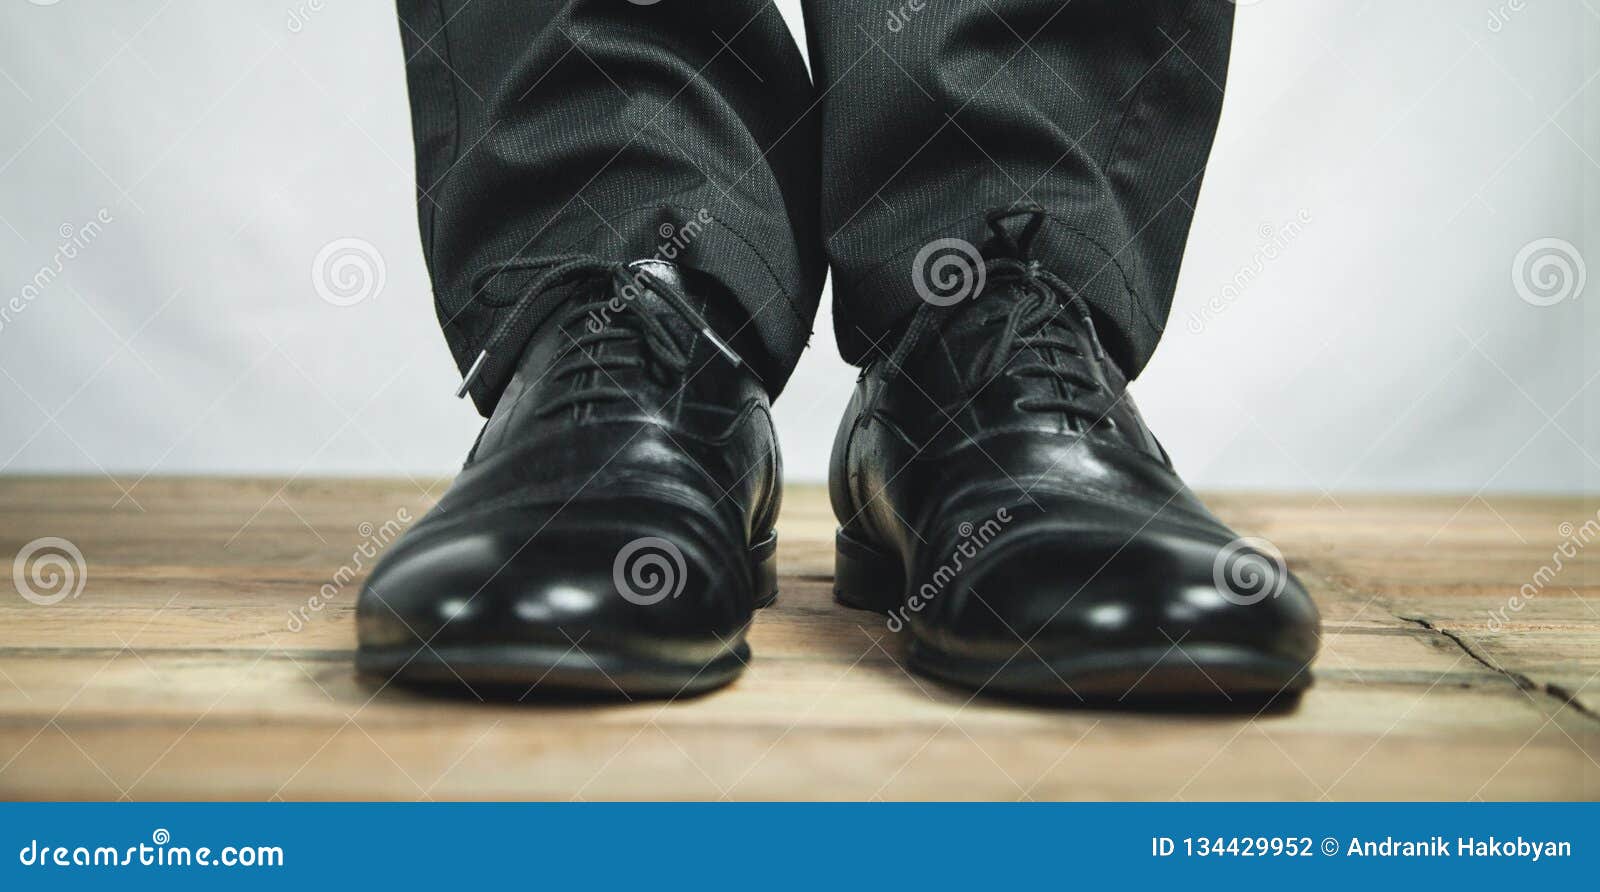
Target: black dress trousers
pixel 615 130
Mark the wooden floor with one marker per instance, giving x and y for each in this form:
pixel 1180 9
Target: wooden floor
pixel 175 673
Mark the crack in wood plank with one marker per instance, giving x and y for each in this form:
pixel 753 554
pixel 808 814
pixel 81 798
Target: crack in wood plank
pixel 1560 693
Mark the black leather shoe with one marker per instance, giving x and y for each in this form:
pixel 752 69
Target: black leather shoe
pixel 1001 498
pixel 612 529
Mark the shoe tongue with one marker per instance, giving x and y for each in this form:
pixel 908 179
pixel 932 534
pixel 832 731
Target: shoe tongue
pixel 997 297
pixel 975 325
pixel 639 295
pixel 712 307
pixel 668 273
pixel 1014 232
pixel 640 273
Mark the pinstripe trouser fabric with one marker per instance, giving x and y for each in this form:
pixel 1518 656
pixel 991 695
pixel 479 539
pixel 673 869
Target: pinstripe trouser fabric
pixel 689 129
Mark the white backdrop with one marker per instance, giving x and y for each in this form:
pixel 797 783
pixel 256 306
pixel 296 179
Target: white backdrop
pixel 1352 314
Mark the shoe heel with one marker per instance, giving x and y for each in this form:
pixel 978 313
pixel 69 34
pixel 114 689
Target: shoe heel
pixel 764 569
pixel 865 578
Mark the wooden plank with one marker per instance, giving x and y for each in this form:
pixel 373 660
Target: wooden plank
pixel 176 673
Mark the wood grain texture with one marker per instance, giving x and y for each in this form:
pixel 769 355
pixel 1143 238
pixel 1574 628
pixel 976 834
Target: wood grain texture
pixel 186 669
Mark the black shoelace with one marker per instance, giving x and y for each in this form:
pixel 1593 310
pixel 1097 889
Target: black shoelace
pixel 1031 324
pixel 600 286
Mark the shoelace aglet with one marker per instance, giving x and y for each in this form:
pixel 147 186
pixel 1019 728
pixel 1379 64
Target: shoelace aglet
pixel 1094 334
pixel 472 374
pixel 722 345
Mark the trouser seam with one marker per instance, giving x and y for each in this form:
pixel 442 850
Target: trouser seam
pixel 1137 103
pixel 455 144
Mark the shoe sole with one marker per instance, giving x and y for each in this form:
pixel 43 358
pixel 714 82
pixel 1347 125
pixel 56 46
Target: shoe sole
pixel 1129 675
pixel 530 671
pixel 565 670
pixel 868 579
